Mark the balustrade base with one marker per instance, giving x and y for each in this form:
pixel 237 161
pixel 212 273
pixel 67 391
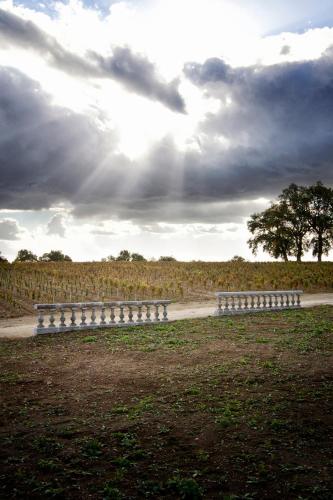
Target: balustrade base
pixel 61 329
pixel 254 310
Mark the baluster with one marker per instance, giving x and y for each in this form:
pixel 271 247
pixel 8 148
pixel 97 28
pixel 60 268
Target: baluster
pixel 264 301
pixel 130 314
pixel 281 300
pixel 293 300
pixel 121 314
pixel 287 301
pixel 270 301
pixel 103 316
pixel 52 318
pixel 276 302
pixel 148 313
pixel 233 304
pixel 165 312
pixel 62 318
pixel 246 304
pixel 139 318
pixel 93 316
pixel 157 314
pixel 83 316
pixel 73 317
pixel 40 319
pixel 112 315
pixel 226 305
pixel 298 300
pixel 252 301
pixel 258 301
pixel 239 302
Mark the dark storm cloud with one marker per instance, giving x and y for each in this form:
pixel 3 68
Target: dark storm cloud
pixel 133 71
pixel 46 152
pixel 25 34
pixel 277 121
pixel 139 75
pixel 50 155
pixel 213 70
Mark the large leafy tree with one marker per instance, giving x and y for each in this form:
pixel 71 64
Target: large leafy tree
pixel 320 218
pixel 270 231
pixel 293 202
pixel 302 218
pixel 25 256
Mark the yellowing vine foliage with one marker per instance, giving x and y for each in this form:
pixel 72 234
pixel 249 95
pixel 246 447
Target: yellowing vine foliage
pixel 23 284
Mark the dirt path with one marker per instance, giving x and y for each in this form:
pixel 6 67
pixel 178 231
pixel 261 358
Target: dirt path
pixel 23 327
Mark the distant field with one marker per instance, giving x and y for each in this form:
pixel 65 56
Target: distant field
pixel 22 285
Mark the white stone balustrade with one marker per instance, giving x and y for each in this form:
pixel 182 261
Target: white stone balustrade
pixel 54 318
pixel 229 303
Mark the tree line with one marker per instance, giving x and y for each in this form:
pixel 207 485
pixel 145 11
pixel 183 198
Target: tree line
pixel 25 255
pixel 125 255
pixel 301 219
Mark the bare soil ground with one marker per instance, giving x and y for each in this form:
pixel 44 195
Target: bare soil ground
pixel 230 408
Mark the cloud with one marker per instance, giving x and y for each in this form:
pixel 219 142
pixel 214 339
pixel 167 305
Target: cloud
pixel 56 225
pixel 139 75
pixel 103 232
pixel 277 121
pixel 133 71
pixel 212 70
pixel 284 108
pixel 285 50
pixel 9 229
pixel 159 228
pixel 46 152
pixel 273 126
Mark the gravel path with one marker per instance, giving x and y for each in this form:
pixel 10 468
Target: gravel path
pixel 23 327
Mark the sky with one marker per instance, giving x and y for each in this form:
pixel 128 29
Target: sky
pixel 158 126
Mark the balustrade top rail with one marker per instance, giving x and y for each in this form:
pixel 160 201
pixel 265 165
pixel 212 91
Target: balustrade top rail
pixel 99 318
pixel 117 303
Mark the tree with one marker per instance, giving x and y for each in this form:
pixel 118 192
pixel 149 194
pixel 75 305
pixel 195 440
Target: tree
pixel 25 256
pixel 137 257
pixel 237 258
pixel 55 256
pixel 167 258
pixel 320 218
pixel 124 255
pixel 293 202
pixel 271 232
pixel 303 217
